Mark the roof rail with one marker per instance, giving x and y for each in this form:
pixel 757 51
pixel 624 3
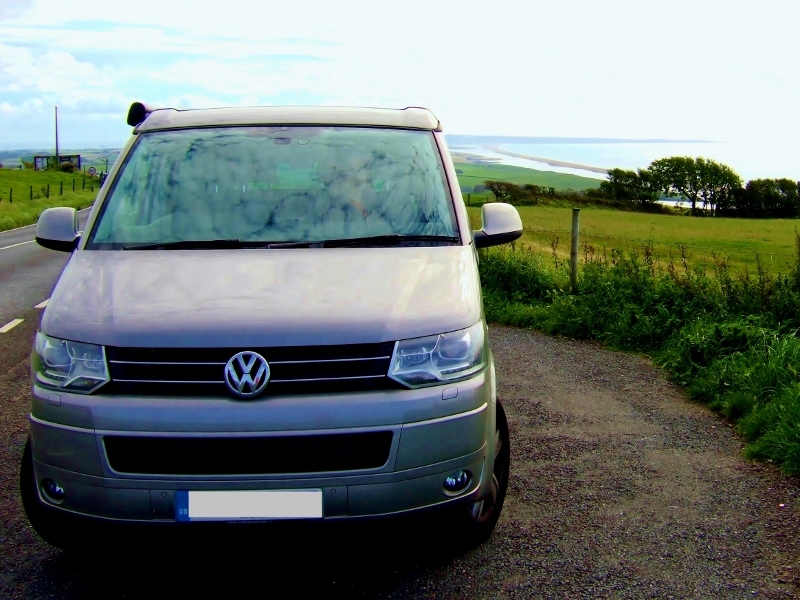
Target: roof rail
pixel 138 112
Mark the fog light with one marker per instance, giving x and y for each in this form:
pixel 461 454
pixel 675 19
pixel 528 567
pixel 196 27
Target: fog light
pixel 53 490
pixel 457 482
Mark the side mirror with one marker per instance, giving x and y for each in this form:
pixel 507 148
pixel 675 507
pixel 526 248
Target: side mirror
pixel 501 224
pixel 57 229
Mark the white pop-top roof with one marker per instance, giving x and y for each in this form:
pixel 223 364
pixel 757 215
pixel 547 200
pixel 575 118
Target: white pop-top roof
pixel 406 118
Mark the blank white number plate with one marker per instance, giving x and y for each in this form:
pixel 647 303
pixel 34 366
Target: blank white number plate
pixel 247 504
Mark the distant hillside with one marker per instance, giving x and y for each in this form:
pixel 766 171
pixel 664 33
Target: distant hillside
pixel 472 172
pixel 90 157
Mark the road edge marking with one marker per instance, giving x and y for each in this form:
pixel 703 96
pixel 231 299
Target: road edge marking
pixel 10 325
pixel 42 304
pixel 15 245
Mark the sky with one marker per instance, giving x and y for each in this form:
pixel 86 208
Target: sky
pixel 697 69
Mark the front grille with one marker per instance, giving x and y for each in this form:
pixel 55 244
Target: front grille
pixel 249 455
pixel 293 370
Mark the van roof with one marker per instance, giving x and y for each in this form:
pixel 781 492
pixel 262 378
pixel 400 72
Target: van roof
pixel 172 118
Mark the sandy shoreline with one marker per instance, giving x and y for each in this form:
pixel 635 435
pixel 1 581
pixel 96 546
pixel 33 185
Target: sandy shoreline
pixel 549 161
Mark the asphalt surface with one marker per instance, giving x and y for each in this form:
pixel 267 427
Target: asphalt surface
pixel 28 273
pixel 620 488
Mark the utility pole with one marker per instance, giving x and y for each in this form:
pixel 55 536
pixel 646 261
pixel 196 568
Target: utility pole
pixel 57 135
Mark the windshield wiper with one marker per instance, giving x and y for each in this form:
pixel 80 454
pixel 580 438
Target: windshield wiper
pixel 197 245
pixel 390 239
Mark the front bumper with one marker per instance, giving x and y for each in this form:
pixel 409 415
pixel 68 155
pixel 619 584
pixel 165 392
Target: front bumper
pixel 431 438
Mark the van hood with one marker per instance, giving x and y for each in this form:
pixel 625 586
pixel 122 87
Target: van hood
pixel 287 297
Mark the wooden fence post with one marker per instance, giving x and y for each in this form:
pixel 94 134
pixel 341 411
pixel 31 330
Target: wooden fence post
pixel 11 195
pixel 31 192
pixel 573 251
pixel 48 191
pixel 61 191
pixel 73 184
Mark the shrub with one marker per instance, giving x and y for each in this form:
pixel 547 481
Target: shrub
pixel 774 428
pixel 730 339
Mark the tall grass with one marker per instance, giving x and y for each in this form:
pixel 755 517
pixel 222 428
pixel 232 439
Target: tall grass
pixel 729 337
pixel 700 241
pixel 31 190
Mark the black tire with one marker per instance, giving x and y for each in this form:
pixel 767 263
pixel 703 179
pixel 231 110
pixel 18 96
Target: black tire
pixel 50 525
pixel 476 521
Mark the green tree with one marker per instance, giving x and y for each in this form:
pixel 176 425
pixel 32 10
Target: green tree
pixel 631 186
pixel 503 190
pixel 777 198
pixel 498 189
pixel 698 179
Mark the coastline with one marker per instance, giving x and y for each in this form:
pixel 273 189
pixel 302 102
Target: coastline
pixel 474 158
pixel 549 161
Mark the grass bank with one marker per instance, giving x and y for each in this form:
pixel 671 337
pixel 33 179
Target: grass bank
pixel 16 188
pixel 729 337
pixel 741 243
pixel 472 173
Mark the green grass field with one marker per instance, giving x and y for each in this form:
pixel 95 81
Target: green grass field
pixel 738 240
pixel 24 211
pixel 472 174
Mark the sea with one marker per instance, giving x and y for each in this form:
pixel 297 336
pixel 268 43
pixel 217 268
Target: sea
pixel 751 160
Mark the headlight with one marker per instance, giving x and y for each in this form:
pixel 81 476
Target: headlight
pixel 439 358
pixel 69 366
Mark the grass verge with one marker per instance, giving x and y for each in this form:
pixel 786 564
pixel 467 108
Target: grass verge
pixel 17 209
pixel 729 338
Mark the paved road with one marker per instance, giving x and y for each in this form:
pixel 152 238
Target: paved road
pixel 28 274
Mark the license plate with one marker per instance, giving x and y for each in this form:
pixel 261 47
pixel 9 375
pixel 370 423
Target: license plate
pixel 242 505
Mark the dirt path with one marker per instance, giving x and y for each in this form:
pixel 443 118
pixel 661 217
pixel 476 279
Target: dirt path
pixel 620 488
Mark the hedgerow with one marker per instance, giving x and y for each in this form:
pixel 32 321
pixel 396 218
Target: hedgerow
pixel 729 338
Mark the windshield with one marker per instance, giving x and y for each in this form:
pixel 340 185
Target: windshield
pixel 276 184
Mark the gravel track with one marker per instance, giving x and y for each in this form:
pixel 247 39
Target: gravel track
pixel 620 487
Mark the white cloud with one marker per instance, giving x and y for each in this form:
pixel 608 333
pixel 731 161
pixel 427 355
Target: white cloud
pixel 54 71
pixel 34 105
pixel 14 8
pixel 619 68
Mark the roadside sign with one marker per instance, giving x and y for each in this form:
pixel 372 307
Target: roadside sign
pixel 92 171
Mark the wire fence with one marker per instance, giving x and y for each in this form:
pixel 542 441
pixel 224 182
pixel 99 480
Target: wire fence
pixel 704 249
pixel 36 192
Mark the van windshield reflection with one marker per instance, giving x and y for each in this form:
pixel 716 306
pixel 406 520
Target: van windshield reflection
pixel 243 187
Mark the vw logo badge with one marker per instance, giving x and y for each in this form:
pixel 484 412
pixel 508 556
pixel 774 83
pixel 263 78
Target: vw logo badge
pixel 247 374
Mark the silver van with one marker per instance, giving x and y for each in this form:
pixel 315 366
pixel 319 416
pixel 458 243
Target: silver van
pixel 272 313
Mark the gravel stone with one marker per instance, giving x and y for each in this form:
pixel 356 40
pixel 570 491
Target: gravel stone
pixel 620 488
